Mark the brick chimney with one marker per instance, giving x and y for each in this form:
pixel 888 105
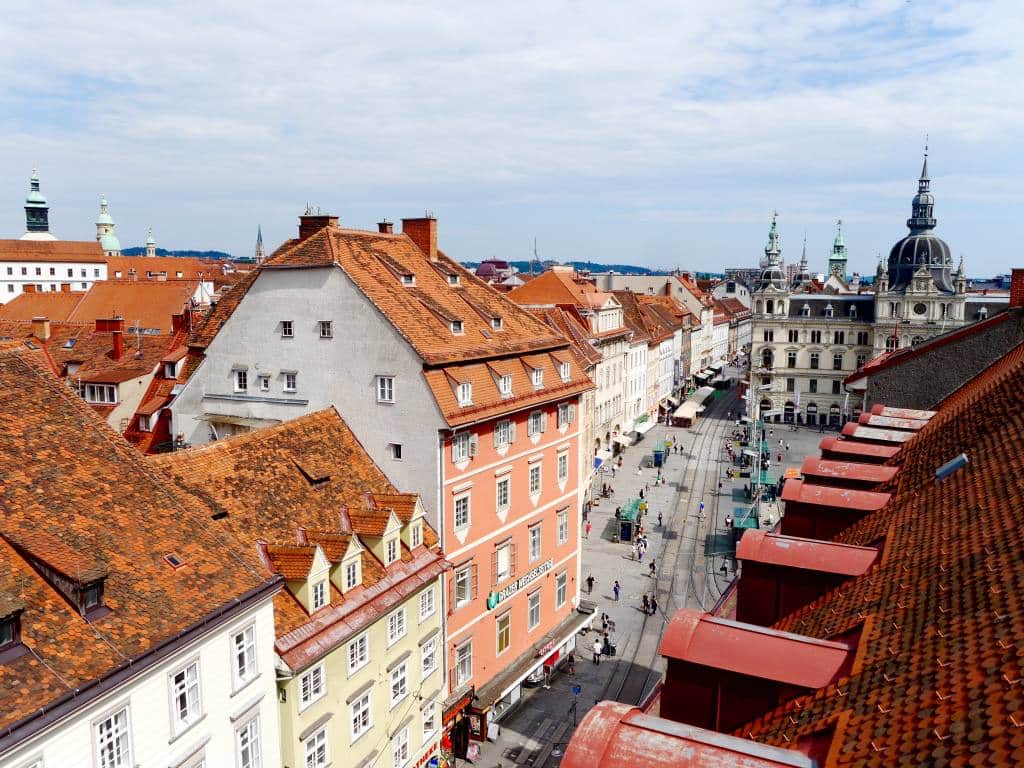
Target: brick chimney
pixel 41 328
pixel 386 227
pixel 1017 287
pixel 311 223
pixel 117 344
pixel 423 232
pixel 109 324
pixel 28 288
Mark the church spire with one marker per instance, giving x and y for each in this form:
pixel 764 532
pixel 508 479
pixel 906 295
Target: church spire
pixel 924 168
pixel 837 259
pixel 37 212
pixel 150 243
pixel 773 250
pixel 922 216
pixel 259 255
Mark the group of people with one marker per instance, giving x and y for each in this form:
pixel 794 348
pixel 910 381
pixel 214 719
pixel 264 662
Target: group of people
pixel 650 605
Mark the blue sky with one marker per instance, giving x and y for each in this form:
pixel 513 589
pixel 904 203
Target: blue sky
pixel 661 134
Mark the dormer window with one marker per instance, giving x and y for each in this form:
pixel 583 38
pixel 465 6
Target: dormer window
pixel 391 551
pixel 10 631
pixel 496 323
pixel 320 595
pixel 453 279
pixel 170 370
pixel 457 327
pixel 408 279
pixel 352 575
pixel 416 535
pixel 829 312
pixel 564 371
pixel 505 385
pixel 538 377
pixel 465 393
pixel 805 310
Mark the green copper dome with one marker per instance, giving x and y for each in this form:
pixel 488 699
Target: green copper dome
pixel 110 243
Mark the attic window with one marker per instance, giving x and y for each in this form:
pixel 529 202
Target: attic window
pixel 408 279
pixel 496 323
pixel 564 371
pixel 218 515
pixel 314 475
pixel 505 385
pixel 174 560
pixel 69 343
pixel 456 327
pixel 453 279
pixel 829 311
pixel 538 377
pixel 805 310
pixel 30 345
pixel 10 631
pixel 465 393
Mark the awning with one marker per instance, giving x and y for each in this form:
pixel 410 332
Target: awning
pixel 241 421
pixel 622 440
pixel 601 457
pixel 687 410
pixel 647 426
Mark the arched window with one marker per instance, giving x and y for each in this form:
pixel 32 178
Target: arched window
pixel 983 313
pixel 767 358
pixel 805 310
pixel 760 307
pixel 770 306
pixel 894 309
pixel 916 340
pixel 891 344
pixel 782 307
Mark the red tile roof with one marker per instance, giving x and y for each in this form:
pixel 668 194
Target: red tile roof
pixel 855 431
pixel 150 304
pixel 53 305
pixel 809 554
pixel 74 251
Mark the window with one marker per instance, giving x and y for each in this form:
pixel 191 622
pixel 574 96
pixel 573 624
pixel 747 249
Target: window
pixel 395 451
pixel 100 393
pixel 416 535
pixel 464 663
pixel 10 631
pixel 462 513
pixel 861 359
pixel 853 311
pixel 396 626
pixel 85 286
pixel 538 377
pixel 535 479
pixel 457 327
pixel 358 653
pixel 505 385
pixel 463 586
pixel 504 632
pixel 351 574
pixel 533 610
pixel 560 589
pixel 291 382
pixel 39 271
pixel 566 414
pixel 815 337
pixel 839 337
pixel 428 716
pixel 428 657
pixel 535 542
pixel 835 387
pixel 427 606
pixel 837 361
pixel 361 720
pixel 391 551
pixel 766 381
pixel 462 446
pixel 326 329
pixel 241 381
pixel 563 525
pixel 400 748
pixel 862 338
pixel 565 371
pixel 496 323
pixel 812 385
pixel 891 343
pixel 96 273
pixel 768 335
pixel 247 742
pixel 503 562
pixel 503 433
pixel 399 684
pixel 536 423
pixel 791 385
pixel 83 272
pixel 453 279
pixel 385 389
pixel 71 272
pixel 794 337
pixel 563 466
pixel 287 331
pixel 244 645
pixel 186 706
pixel 311 686
pixel 502 494
pixel 316 749
pixel 113 744
pixel 465 393
pixel 815 358
pixel 144 423
pixel 408 279
pixel 829 311
pixel 319 595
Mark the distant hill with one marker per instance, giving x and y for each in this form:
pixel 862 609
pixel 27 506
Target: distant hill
pixel 592 266
pixel 215 255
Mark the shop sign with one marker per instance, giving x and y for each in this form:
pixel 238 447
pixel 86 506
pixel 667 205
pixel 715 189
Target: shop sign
pixel 522 582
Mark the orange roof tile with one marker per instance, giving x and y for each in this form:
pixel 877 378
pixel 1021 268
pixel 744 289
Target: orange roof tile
pixel 53 305
pixel 85 251
pixel 150 304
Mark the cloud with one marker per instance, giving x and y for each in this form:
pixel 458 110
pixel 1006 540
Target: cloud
pixel 204 119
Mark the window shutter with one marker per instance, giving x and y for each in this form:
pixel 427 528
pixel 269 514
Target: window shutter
pixel 512 559
pixel 474 445
pixel 494 567
pixel 511 431
pixel 451 591
pixel 455 442
pixel 497 433
pixel 544 421
pixel 473 581
pixel 572 413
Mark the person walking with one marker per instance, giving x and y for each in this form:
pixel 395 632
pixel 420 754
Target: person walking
pixel 653 566
pixel 654 605
pixel 587 530
pixel 701 513
pixel 647 605
pixel 597 651
pixel 640 553
pixel 615 590
pixel 590 584
pixel 659 521
pixel 613 471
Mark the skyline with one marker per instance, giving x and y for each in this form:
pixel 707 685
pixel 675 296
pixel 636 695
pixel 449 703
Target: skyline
pixel 659 139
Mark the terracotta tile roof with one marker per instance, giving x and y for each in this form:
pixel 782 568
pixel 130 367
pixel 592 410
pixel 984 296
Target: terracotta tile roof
pixel 300 483
pixel 149 267
pixel 53 305
pixel 85 251
pixel 77 495
pixel 938 664
pixel 733 307
pixel 553 288
pixel 568 322
pixel 421 313
pixel 150 304
pixel 292 561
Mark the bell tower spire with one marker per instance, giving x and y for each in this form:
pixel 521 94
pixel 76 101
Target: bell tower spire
pixel 922 214
pixel 259 255
pixel 37 212
pixel 837 259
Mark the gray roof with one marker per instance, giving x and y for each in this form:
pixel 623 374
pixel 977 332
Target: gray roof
pixel 819 303
pixel 992 304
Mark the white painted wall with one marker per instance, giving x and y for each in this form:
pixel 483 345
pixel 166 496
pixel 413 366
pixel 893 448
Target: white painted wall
pixel 71 742
pixel 51 275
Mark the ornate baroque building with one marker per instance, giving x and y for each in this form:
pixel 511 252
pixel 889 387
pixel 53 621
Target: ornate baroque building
pixel 808 338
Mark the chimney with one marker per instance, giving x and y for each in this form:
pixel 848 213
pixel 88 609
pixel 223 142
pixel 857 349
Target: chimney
pixel 41 328
pixel 386 227
pixel 117 339
pixel 311 223
pixel 1017 288
pixel 300 535
pixel 65 287
pixel 109 324
pixel 423 232
pixel 261 550
pixel 28 288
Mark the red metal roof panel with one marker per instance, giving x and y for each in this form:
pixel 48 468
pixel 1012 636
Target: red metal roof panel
pixel 746 649
pixel 901 413
pixel 809 554
pixel 827 496
pixel 857 448
pixel 852 429
pixel 851 470
pixel 890 422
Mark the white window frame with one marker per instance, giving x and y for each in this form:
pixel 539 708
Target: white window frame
pixel 533 607
pixel 563 526
pixel 460 446
pixel 565 371
pixel 428 657
pixel 287 329
pixel 503 433
pixel 536 542
pixel 400 754
pixel 464 663
pixel 562 465
pixel 505 385
pixel 145 423
pixel 391 551
pixel 416 535
pixel 319 595
pixel 251 728
pixel 263 380
pixel 537 378
pixel 536 479
pixel 428 603
pixel 105 394
pixel 291 381
pixel 385 389
pixel 360 646
pixel 326 329
pixel 561 589
pixel 535 423
pixel 189 689
pixel 461 506
pixel 464 393
pixel 428 720
pixel 468 571
pixel 506 483
pixel 250 668
pixel 316 750
pixel 398 679
pixel 360 717
pixel 397 626
pixel 119 738
pixel 503 575
pixel 351 574
pixel 312 686
pixel 241 380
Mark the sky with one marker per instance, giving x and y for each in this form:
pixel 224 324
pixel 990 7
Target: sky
pixel 661 134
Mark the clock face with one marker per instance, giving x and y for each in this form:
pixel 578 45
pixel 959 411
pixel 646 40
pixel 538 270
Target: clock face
pixel 920 309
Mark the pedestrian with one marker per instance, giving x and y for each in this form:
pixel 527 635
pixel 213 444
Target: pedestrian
pixel 570 662
pixel 647 486
pixel 615 590
pixel 702 510
pixel 641 557
pixel 787 447
pixel 654 570
pixel 719 487
pixel 597 651
pixel 654 605
pixel 639 471
pixel 590 584
pixel 613 471
pixel 659 520
pixel 641 493
pixel 588 529
pixel 647 605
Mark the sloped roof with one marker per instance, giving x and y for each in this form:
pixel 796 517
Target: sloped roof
pixel 72 251
pixel 938 665
pixel 53 305
pixel 552 288
pixel 567 321
pixel 151 304
pixel 72 481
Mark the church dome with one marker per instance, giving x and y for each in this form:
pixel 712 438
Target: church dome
pixel 922 247
pixel 110 243
pixel 772 276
